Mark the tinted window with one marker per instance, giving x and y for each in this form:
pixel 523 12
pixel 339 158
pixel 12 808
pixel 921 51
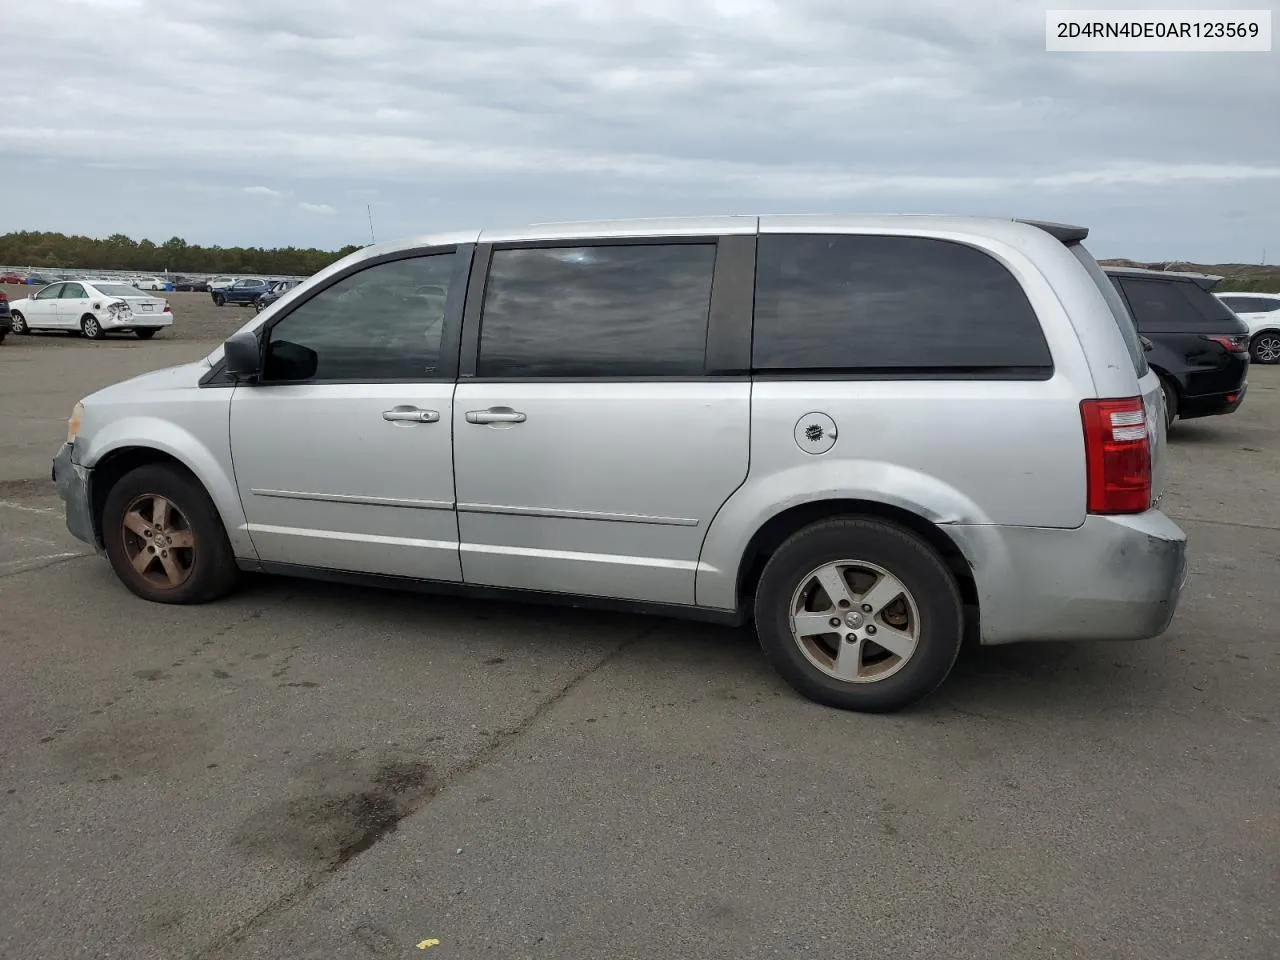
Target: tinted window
pixel 383 323
pixel 599 311
pixel 1251 304
pixel 72 291
pixel 1163 305
pixel 868 303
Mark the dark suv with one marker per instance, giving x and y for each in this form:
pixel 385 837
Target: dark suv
pixel 1197 345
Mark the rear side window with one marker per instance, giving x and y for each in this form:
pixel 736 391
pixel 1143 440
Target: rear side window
pixel 634 310
pixel 873 303
pixel 1171 306
pixel 1251 304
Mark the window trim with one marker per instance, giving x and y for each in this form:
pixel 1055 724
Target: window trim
pixel 1038 372
pixel 449 334
pixel 727 351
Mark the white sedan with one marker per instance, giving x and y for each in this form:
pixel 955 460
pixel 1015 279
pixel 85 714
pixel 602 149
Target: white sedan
pixel 94 307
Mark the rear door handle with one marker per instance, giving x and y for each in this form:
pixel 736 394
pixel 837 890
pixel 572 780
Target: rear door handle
pixel 410 415
pixel 496 415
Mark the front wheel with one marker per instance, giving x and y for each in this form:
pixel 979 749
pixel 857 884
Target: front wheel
pixel 164 538
pixel 859 614
pixel 19 323
pixel 219 300
pixel 1265 347
pixel 91 328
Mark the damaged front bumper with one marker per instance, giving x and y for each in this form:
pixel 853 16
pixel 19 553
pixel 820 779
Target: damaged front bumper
pixel 72 481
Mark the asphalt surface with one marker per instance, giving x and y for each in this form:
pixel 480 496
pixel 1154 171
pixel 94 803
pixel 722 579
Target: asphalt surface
pixel 311 771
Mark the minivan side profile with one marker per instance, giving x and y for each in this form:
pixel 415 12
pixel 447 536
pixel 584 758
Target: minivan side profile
pixel 870 437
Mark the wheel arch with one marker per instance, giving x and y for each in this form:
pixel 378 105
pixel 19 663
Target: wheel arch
pixel 114 465
pixel 777 528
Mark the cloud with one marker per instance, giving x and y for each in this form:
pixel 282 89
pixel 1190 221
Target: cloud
pixel 517 110
pixel 317 208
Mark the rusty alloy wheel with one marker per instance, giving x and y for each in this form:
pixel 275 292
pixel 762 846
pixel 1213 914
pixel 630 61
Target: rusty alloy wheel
pixel 159 541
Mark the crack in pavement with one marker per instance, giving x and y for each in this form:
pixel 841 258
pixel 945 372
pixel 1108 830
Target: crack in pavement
pixel 1225 523
pixel 44 566
pixel 237 935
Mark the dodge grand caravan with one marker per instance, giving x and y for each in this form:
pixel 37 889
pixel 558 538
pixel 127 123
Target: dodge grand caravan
pixel 869 436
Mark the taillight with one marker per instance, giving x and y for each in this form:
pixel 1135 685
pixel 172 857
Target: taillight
pixel 167 309
pixel 1238 344
pixel 1117 455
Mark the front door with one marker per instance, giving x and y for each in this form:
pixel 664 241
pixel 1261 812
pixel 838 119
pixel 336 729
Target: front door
pixel 342 451
pixel 591 448
pixel 42 311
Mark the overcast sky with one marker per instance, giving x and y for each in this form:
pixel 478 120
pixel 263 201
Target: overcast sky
pixel 274 122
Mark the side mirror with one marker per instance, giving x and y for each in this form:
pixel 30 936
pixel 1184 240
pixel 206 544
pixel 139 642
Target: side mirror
pixel 1147 345
pixel 243 354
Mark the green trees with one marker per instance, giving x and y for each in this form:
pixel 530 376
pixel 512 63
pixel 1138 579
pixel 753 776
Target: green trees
pixel 51 251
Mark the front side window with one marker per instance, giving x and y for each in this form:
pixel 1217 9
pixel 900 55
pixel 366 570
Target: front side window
pixel 885 303
pixel 632 310
pixel 383 323
pixel 50 292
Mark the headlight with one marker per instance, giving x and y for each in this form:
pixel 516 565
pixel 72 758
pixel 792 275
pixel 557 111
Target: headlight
pixel 73 422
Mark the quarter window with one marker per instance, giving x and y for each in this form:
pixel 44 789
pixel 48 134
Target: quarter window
pixel 632 310
pixel 1165 305
pixel 383 323
pixel 877 303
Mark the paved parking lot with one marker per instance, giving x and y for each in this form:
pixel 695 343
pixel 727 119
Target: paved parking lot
pixel 311 771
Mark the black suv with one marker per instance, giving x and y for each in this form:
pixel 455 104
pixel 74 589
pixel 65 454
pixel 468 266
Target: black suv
pixel 1197 345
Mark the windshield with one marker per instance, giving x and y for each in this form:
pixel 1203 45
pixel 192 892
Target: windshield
pixel 119 290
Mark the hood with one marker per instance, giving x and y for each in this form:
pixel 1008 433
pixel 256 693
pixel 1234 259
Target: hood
pixel 181 377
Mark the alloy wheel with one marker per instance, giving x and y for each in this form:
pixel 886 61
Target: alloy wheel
pixel 158 541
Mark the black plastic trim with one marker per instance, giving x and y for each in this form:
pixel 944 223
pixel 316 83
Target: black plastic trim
pixel 910 373
pixel 729 322
pixel 475 591
pixel 470 343
pixel 218 376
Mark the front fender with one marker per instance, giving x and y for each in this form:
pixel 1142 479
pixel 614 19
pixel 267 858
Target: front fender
pixel 210 464
pixel 761 499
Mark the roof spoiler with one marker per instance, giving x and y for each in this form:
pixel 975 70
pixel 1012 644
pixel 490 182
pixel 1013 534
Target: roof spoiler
pixel 1065 232
pixel 1206 281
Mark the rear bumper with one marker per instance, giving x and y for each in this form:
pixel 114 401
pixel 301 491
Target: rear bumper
pixel 1112 578
pixel 72 481
pixel 1214 404
pixel 136 320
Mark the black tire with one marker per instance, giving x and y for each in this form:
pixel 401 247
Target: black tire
pixel 1265 347
pixel 921 572
pixel 219 300
pixel 146 333
pixel 91 328
pixel 1170 403
pixel 211 563
pixel 19 323
pixel 3 334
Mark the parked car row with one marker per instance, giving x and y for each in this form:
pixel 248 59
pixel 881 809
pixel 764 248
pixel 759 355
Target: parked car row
pixel 93 307
pixel 249 291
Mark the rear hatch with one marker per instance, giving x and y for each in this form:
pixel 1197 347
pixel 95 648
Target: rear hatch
pixel 1148 379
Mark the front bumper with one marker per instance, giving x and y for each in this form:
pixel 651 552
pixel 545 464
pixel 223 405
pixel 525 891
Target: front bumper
pixel 72 481
pixel 1112 578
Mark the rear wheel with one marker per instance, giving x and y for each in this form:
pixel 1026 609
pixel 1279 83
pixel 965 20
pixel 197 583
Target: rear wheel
pixel 1265 347
pixel 91 328
pixel 19 323
pixel 164 538
pixel 859 614
pixel 145 333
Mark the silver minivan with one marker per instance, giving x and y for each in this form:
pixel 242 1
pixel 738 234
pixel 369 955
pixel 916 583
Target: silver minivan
pixel 872 437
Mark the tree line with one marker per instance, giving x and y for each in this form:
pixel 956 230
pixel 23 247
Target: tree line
pixel 51 251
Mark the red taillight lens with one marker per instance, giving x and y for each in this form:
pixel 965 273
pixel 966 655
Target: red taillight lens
pixel 168 309
pixel 1117 455
pixel 1231 344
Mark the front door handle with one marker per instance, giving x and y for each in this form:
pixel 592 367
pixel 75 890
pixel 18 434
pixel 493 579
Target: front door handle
pixel 410 415
pixel 496 415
